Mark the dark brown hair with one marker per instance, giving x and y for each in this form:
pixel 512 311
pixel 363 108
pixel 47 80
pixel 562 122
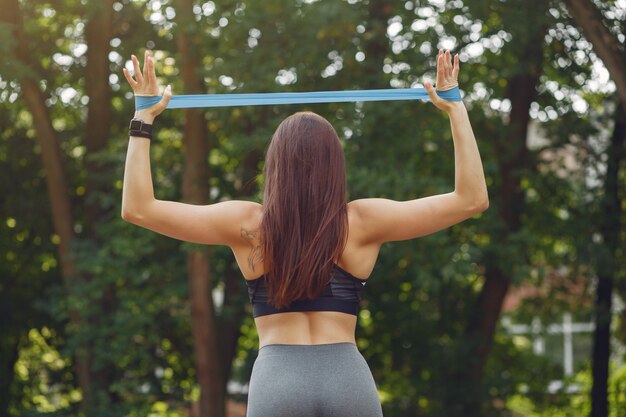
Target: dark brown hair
pixel 305 221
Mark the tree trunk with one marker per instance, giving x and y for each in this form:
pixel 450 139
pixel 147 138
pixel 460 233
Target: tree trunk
pixel 56 180
pixel 601 347
pixel 98 33
pixel 513 165
pixel 207 354
pixel 607 47
pixel 208 357
pixel 607 267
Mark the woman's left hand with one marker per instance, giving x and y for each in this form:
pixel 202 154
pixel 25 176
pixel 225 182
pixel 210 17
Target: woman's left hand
pixel 145 83
pixel 447 76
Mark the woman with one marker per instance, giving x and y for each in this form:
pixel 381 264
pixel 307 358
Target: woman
pixel 305 253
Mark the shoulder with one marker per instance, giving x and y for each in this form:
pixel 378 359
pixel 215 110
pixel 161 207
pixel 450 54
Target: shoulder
pixel 361 212
pixel 250 215
pixel 357 216
pixel 245 210
pixel 247 224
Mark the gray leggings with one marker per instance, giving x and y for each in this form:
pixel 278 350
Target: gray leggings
pixel 327 380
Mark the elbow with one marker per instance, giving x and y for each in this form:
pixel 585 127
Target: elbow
pixel 475 203
pixel 135 212
pixel 482 204
pixel 126 215
pixel 129 215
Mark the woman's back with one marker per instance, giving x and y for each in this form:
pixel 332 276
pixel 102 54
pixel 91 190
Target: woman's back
pixel 305 327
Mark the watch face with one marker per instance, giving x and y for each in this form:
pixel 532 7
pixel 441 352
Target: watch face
pixel 135 124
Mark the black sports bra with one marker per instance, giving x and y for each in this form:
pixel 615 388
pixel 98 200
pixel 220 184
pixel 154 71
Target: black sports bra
pixel 343 294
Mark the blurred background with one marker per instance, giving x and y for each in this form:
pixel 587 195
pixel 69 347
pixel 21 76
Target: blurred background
pixel 518 311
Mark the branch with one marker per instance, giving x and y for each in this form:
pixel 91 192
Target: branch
pixel 605 44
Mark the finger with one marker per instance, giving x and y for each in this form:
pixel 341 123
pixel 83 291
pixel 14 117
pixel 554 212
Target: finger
pixel 455 70
pixel 138 75
pixel 129 78
pixel 440 71
pixel 162 105
pixel 431 92
pixel 150 63
pixel 167 95
pixel 147 73
pixel 448 65
pixel 146 65
pixel 151 72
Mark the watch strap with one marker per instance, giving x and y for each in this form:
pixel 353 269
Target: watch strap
pixel 139 128
pixel 140 134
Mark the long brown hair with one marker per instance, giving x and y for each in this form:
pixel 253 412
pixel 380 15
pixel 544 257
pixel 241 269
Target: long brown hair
pixel 305 221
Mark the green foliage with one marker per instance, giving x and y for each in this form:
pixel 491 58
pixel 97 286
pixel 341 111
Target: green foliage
pixel 575 403
pixel 44 375
pixel 413 324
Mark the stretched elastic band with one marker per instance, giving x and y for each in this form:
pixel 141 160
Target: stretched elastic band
pixel 257 99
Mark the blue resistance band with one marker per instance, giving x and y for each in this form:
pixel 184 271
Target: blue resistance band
pixel 257 99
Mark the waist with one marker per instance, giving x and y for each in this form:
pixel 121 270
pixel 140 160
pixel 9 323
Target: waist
pixel 306 328
pixel 319 347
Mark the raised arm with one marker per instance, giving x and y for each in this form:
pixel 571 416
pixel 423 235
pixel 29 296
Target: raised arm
pixel 381 220
pixel 219 223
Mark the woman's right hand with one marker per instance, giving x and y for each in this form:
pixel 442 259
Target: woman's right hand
pixel 146 84
pixel 447 75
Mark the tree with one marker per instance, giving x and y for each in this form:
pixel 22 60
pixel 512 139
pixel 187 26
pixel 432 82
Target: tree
pixel 57 183
pixel 607 46
pixel 196 191
pixel 605 43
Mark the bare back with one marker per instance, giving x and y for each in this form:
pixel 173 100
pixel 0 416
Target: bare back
pixel 310 327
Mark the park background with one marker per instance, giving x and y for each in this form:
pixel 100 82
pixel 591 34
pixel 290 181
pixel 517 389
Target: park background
pixel 515 312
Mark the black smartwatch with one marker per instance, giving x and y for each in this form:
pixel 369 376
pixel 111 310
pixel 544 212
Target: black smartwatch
pixel 140 128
